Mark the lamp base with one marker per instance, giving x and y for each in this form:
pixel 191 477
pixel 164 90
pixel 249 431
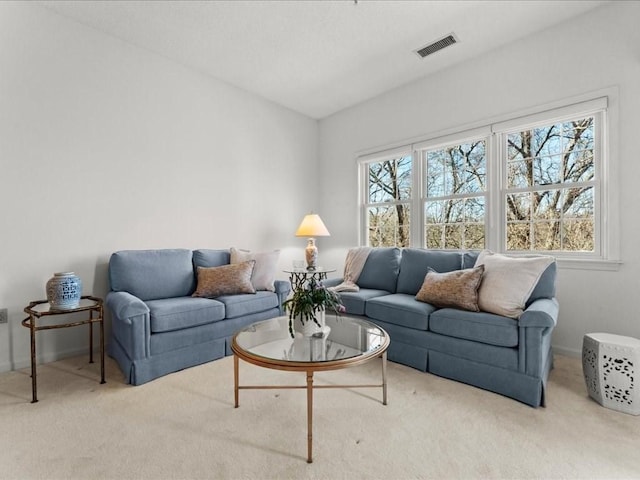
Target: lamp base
pixel 311 254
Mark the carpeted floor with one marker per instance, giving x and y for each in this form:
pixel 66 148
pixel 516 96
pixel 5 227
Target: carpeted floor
pixel 184 426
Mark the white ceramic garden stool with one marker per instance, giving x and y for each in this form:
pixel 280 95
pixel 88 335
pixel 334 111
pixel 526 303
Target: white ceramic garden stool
pixel 610 364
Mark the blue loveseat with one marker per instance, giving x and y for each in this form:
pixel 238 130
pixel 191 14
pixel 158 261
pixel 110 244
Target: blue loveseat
pixel 157 327
pixel 510 356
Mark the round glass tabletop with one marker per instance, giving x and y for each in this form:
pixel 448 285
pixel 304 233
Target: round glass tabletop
pixel 344 338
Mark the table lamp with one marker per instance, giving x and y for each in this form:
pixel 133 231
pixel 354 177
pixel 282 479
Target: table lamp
pixel 312 226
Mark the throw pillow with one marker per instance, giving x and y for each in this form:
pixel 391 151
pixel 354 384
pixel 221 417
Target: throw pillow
pixel 264 271
pixel 224 280
pixel 508 281
pixel 456 289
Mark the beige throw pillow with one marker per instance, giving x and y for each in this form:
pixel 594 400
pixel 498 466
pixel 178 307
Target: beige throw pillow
pixel 224 280
pixel 264 271
pixel 457 289
pixel 508 281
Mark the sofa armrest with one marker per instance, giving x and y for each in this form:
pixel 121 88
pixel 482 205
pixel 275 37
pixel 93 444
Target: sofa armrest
pixel 124 305
pixel 332 282
pixel 130 323
pixel 541 313
pixel 283 288
pixel 535 330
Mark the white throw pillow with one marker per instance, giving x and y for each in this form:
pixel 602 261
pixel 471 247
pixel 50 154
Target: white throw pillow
pixel 508 281
pixel 264 271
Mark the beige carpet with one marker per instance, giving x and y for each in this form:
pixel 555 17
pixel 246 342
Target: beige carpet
pixel 184 426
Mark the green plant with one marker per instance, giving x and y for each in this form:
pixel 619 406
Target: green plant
pixel 308 301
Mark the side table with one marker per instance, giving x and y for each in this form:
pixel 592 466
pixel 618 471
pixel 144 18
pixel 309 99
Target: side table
pixel 610 368
pixel 41 308
pixel 299 276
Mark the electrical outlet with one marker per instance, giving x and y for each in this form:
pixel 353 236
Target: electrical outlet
pixel 4 315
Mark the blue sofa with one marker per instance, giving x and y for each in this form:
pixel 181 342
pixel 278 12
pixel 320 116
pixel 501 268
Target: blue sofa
pixel 508 356
pixel 157 327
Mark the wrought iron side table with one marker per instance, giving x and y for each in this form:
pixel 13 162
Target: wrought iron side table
pixel 41 308
pixel 299 276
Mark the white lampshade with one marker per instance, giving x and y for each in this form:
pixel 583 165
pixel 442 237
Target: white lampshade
pixel 312 226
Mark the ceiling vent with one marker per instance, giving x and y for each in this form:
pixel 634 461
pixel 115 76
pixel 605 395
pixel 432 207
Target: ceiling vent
pixel 437 45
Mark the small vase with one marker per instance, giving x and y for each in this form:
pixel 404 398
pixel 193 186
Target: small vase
pixel 309 327
pixel 64 290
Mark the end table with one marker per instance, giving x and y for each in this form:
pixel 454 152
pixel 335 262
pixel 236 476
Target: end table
pixel 610 368
pixel 299 276
pixel 41 308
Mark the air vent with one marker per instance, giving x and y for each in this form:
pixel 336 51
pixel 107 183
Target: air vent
pixel 437 45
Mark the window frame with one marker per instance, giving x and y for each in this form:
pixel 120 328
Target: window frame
pixel 420 153
pixel 596 183
pixel 606 211
pixel 363 188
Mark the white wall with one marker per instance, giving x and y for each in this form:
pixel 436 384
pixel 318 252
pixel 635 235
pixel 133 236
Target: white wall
pixel 105 146
pixel 592 52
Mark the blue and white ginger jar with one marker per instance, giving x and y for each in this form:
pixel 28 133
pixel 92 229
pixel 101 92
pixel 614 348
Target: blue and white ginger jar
pixel 64 290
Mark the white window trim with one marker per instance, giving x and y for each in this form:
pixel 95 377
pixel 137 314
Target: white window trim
pixel 605 100
pixel 544 119
pixel 363 182
pixel 482 134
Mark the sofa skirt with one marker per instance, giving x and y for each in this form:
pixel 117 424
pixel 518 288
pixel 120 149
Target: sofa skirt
pixel 138 372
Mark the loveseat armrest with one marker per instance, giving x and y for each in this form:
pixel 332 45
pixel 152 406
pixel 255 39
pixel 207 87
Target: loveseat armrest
pixel 130 324
pixel 283 288
pixel 124 305
pixel 541 313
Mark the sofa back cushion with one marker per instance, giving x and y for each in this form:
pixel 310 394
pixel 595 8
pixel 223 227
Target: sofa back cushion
pixel 416 262
pixel 469 259
pixel 152 274
pixel 546 286
pixel 380 271
pixel 210 258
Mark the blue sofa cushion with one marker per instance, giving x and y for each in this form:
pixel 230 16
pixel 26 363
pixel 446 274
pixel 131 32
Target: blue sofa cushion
pixel 416 261
pixel 355 302
pixel 477 326
pixel 152 274
pixel 546 286
pixel 469 259
pixel 246 304
pixel 183 312
pixel 381 269
pixel 400 309
pixel 211 258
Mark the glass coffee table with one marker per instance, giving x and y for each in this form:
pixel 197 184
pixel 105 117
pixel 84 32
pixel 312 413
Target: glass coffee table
pixel 345 342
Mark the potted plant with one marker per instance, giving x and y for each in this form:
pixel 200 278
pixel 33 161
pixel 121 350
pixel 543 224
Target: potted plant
pixel 311 301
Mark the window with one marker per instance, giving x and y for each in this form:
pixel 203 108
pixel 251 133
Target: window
pixel 388 202
pixel 532 184
pixel 551 187
pixel 454 205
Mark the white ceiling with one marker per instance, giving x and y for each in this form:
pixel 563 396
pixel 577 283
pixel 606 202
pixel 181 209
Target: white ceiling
pixel 318 57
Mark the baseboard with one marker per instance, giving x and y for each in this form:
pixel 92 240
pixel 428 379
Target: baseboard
pixel 568 352
pixel 45 358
